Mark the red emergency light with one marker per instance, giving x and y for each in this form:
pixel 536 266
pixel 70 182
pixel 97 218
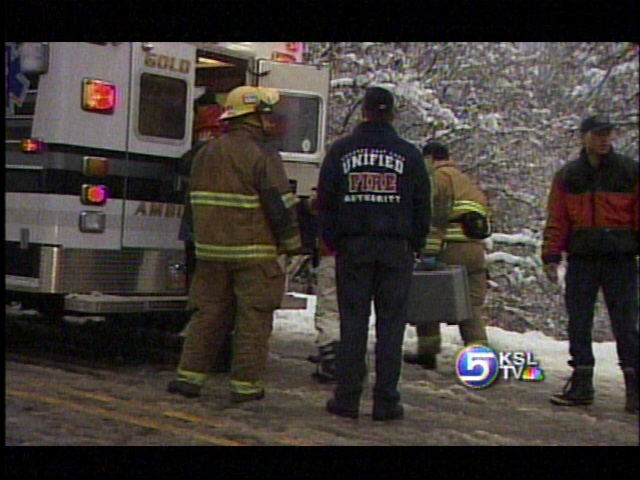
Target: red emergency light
pixel 98 96
pixel 94 194
pixel 283 57
pixel 32 145
pixel 294 46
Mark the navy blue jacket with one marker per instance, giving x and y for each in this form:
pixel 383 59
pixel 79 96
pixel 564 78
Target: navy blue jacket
pixel 374 183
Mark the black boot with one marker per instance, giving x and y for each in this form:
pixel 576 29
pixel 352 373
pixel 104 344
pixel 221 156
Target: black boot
pixel 631 387
pixel 426 360
pixel 186 389
pixel 326 363
pixel 387 412
pixel 578 390
pixel 342 411
pixel 246 397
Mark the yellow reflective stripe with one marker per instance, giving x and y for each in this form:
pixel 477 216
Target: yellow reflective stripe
pixel 468 206
pixel 455 232
pixel 246 388
pixel 191 377
pixel 224 199
pixel 289 200
pixel 434 245
pixel 292 243
pixel 217 252
pixel 236 199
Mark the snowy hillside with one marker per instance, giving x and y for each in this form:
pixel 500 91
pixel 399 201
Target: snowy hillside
pixel 509 113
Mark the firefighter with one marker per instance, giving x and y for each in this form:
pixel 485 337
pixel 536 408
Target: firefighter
pixel 460 221
pixel 593 217
pixel 244 217
pixel 374 204
pixel 207 125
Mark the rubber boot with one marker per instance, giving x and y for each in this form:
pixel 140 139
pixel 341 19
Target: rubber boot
pixel 631 386
pixel 578 390
pixel 334 407
pixel 186 389
pixel 392 412
pixel 426 360
pixel 246 397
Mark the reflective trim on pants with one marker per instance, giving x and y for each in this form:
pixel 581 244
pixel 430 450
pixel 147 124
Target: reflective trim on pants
pixel 246 388
pixel 238 296
pixel 194 378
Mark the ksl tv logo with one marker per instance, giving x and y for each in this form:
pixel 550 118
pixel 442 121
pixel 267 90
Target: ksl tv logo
pixel 478 366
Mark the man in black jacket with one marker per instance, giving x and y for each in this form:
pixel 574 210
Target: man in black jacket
pixel 375 205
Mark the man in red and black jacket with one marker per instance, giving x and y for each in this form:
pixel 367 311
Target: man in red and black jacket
pixel 593 218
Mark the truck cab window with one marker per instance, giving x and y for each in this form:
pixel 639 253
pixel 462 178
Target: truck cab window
pixel 298 116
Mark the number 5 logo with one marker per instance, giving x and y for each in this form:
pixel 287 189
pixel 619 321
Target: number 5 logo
pixel 477 366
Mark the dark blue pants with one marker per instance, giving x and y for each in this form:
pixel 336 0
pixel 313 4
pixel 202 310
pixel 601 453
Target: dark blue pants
pixel 378 269
pixel 618 278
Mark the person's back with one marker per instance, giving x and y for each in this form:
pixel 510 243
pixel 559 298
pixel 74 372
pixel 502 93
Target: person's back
pixel 461 220
pixel 240 155
pixel 374 204
pixel 376 174
pixel 244 215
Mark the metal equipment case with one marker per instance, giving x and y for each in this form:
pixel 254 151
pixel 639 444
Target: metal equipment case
pixel 439 296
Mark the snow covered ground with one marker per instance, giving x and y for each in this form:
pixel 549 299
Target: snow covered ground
pixel 551 354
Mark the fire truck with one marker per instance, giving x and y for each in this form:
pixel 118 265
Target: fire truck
pixel 94 132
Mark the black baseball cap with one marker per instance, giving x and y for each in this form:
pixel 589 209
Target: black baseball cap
pixel 378 99
pixel 595 123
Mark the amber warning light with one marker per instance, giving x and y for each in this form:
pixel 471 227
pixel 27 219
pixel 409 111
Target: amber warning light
pixel 98 96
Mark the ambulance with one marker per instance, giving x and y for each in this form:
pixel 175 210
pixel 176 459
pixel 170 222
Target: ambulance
pixel 94 132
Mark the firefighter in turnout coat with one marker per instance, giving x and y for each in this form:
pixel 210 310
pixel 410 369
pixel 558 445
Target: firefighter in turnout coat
pixel 460 221
pixel 244 217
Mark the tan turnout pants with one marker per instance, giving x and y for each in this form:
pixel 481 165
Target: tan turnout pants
pixel 327 317
pixel 471 255
pixel 225 294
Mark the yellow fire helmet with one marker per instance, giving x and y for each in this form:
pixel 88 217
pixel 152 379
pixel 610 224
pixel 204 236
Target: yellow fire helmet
pixel 246 99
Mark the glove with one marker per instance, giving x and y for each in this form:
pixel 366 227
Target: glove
pixel 551 270
pixel 428 263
